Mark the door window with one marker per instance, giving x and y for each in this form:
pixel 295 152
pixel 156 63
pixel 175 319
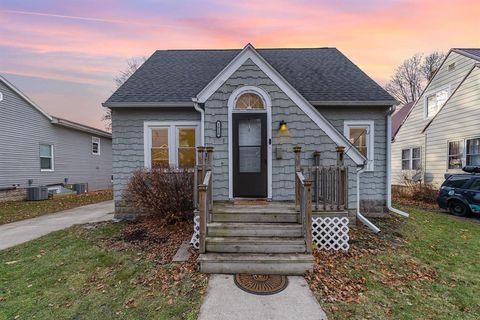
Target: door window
pixel 249 145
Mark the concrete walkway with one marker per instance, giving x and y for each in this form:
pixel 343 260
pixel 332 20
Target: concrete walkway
pixel 225 301
pixel 22 231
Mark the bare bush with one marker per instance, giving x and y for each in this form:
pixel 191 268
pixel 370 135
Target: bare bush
pixel 162 192
pixel 415 191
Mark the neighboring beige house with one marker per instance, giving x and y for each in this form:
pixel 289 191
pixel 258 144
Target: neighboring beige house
pixel 441 134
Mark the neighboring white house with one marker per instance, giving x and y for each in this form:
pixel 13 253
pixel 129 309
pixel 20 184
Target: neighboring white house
pixel 37 149
pixel 441 133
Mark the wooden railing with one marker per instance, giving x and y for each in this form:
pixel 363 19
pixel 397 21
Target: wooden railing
pixel 303 197
pixel 203 191
pixel 330 182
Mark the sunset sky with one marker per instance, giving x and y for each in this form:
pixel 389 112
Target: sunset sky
pixel 64 54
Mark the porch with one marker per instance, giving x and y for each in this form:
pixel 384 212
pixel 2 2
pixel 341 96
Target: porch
pixel 270 237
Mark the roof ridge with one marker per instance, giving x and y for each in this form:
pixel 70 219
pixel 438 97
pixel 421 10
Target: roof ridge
pixel 239 49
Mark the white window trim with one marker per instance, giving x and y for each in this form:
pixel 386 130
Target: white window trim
pixel 410 162
pixel 267 102
pixel 464 156
pixel 448 88
pixel 96 140
pixel 172 127
pixel 370 138
pixel 52 157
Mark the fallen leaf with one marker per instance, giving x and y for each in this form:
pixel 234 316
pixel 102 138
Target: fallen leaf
pixel 11 262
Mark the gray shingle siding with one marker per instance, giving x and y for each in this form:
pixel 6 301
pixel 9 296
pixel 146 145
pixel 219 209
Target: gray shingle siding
pixel 127 131
pixel 23 129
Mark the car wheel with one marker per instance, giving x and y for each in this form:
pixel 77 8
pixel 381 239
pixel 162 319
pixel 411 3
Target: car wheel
pixel 458 208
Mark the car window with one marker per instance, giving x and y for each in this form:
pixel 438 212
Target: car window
pixel 475 185
pixel 456 182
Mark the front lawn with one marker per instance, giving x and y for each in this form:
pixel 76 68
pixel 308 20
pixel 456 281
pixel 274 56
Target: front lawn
pixel 423 267
pixel 102 271
pixel 20 210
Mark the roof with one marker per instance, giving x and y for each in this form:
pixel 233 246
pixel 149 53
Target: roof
pixel 473 53
pixel 399 116
pixel 53 119
pixel 318 74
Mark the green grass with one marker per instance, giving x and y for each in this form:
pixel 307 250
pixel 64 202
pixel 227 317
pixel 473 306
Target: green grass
pixel 20 210
pixel 82 273
pixel 435 243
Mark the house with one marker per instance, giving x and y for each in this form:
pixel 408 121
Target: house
pixel 37 149
pixel 441 133
pixel 250 108
pixel 399 116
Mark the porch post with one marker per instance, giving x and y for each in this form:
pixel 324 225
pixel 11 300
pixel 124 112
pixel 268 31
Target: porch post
pixel 316 156
pixel 210 186
pixel 297 150
pixel 341 183
pixel 308 215
pixel 202 194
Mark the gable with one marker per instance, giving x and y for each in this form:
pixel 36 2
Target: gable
pixel 249 54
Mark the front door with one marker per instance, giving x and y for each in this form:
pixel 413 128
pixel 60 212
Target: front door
pixel 249 155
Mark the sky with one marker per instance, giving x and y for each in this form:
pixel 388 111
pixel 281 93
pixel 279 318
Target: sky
pixel 64 54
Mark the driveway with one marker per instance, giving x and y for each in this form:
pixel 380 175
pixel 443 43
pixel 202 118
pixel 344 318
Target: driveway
pixel 22 231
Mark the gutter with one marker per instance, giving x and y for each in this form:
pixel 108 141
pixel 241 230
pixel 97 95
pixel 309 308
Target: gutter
pixel 197 107
pixel 389 169
pixel 360 216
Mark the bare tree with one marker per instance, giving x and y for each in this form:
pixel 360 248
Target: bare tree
pixel 410 78
pixel 132 65
pixel 431 63
pixel 406 83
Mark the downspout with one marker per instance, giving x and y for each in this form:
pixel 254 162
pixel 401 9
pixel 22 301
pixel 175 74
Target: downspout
pixel 197 107
pixel 360 216
pixel 389 169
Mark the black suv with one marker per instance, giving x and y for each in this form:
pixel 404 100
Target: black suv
pixel 460 193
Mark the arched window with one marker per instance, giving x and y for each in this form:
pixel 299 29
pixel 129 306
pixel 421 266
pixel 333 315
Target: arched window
pixel 249 101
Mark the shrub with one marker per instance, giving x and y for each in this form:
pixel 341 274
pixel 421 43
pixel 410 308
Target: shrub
pixel 163 192
pixel 415 191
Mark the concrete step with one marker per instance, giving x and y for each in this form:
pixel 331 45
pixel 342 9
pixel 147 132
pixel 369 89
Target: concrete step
pixel 231 263
pixel 235 229
pixel 255 245
pixel 273 217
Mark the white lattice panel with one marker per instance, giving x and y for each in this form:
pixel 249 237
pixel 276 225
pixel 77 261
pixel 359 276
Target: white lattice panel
pixel 330 233
pixel 195 242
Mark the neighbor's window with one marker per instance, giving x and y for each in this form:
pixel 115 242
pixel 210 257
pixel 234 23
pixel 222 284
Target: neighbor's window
pixel 455 154
pixel 249 101
pixel 361 136
pixel 411 159
pixel 473 152
pixel 435 101
pixel 172 145
pixel 95 145
pixel 46 157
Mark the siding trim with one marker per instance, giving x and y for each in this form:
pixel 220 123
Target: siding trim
pixel 347 124
pixel 249 52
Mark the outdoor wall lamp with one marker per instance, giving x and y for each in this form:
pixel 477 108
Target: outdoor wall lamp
pixel 283 126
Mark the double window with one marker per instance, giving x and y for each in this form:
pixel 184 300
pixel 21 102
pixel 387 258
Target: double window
pixel 434 101
pixel 170 145
pixel 361 135
pixel 95 146
pixel 46 157
pixel 411 159
pixel 463 153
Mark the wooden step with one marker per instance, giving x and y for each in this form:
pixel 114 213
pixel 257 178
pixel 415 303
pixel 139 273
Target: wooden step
pixel 255 245
pixel 273 217
pixel 236 229
pixel 231 263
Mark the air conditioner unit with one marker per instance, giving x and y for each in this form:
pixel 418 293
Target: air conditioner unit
pixel 37 193
pixel 80 187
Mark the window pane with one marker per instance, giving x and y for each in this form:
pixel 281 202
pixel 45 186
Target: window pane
pixel 358 137
pixel 416 153
pixel 405 164
pixel 160 157
pixel 473 152
pixel 456 182
pixel 160 138
pixel 45 163
pixel 436 101
pixel 416 164
pixel 45 150
pixel 186 137
pixel 249 159
pixel 249 132
pixel 249 101
pixel 475 185
pixel 95 147
pixel 455 152
pixel 186 157
pixel 406 154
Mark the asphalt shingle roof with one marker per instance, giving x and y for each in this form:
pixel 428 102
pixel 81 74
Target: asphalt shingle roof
pixel 399 116
pixel 472 51
pixel 320 74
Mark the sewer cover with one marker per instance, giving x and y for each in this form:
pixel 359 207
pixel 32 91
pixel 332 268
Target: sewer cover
pixel 261 284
